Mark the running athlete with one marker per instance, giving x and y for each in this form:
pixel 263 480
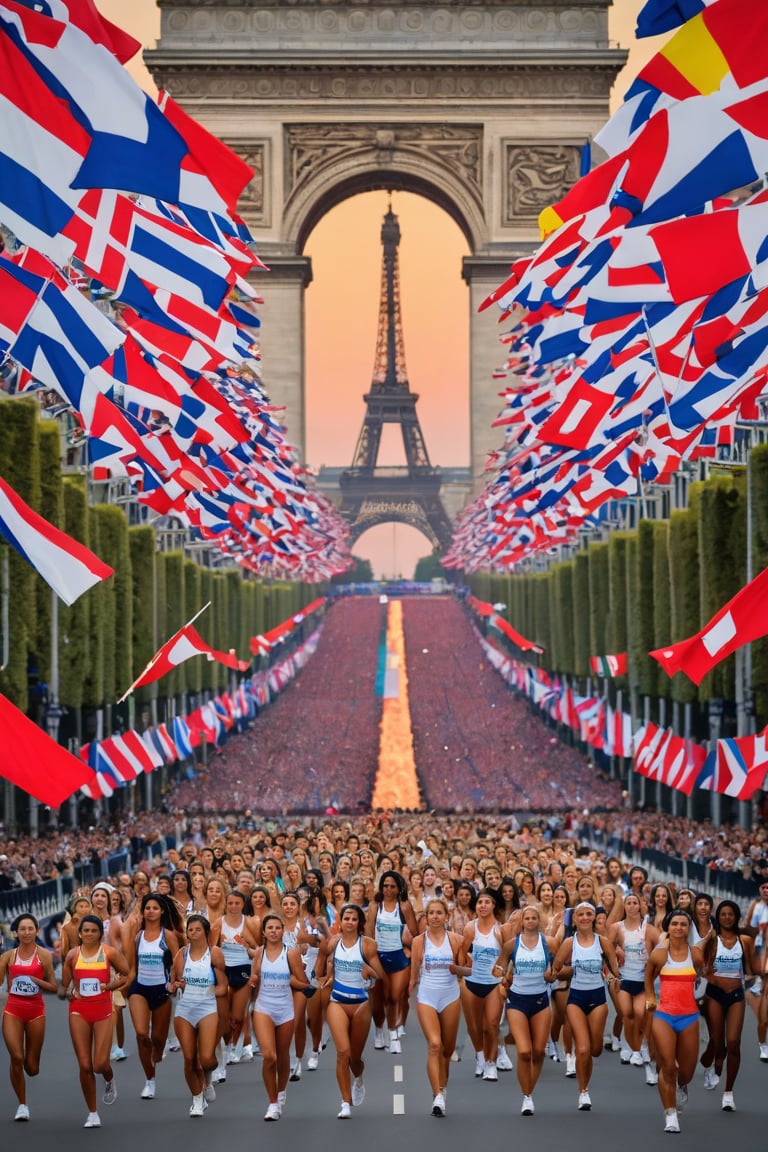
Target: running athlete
pixel 525 965
pixel 391 921
pixel 676 1017
pixel 86 982
pixel 28 969
pixel 633 938
pixel 483 940
pixel 237 936
pixel 435 982
pixel 347 963
pixel 729 960
pixel 276 971
pixel 150 955
pixel 584 955
pixel 299 932
pixel 200 978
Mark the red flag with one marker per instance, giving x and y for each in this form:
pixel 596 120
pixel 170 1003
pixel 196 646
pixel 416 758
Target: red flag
pixel 187 642
pixel 742 620
pixel 31 760
pixel 609 665
pixel 228 173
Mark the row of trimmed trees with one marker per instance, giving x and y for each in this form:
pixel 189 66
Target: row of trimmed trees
pixel 641 590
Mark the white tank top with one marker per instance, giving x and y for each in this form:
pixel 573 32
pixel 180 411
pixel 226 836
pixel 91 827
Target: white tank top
pixel 587 964
pixel 150 957
pixel 530 964
pixel 199 978
pixel 389 930
pixel 635 952
pixel 729 962
pixel 486 949
pixel 234 954
pixel 436 972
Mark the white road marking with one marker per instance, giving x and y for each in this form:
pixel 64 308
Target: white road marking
pixel 398 1073
pixel 398 1105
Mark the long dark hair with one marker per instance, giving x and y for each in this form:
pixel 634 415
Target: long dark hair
pixel 402 887
pixel 169 913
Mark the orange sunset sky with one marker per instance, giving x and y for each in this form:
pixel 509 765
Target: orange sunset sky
pixel 342 309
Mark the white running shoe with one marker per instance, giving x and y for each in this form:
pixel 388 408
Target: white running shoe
pixel 148 1091
pixel 197 1108
pixel 273 1112
pixel 645 1052
pixel 92 1120
pixel 711 1078
pixel 682 1096
pixel 585 1104
pixel 296 1071
pixel 570 1064
pixel 557 1053
pixel 728 1104
pixel 671 1122
pixel 313 1061
pixel 503 1062
pixel 281 1098
pixel 379 1039
pixel 358 1091
pixel 489 1072
pixel 615 1045
pixel 651 1075
pixel 400 1031
pixel 173 1045
pixel 764 1052
pixel 550 1049
pixel 479 1064
pixel 232 1056
pixel 527 1108
pixel 636 1060
pixel 110 1091
pixel 246 1056
pixel 395 1046
pixel 22 1112
pixel 117 1054
pixel 219 1075
pixel 438 1105
pixel 209 1093
pixel 345 1111
pixel 625 1056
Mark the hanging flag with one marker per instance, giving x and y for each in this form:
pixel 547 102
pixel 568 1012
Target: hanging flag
pixel 31 760
pixel 181 737
pixel 609 665
pixel 742 620
pixel 223 167
pixel 657 16
pixel 66 565
pixel 183 645
pixel 737 767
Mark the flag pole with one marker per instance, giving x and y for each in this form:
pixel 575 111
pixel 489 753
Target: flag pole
pixel 154 658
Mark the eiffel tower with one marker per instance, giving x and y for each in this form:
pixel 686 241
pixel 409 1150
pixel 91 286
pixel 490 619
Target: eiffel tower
pixel 372 494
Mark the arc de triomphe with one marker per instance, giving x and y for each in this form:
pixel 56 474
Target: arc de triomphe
pixel 482 107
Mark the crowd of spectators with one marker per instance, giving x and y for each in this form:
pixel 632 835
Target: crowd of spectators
pixel 478 748
pixel 477 745
pixel 317 745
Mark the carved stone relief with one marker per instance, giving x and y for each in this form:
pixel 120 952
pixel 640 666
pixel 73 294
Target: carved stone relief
pixel 455 148
pixel 253 200
pixel 339 85
pixel 535 176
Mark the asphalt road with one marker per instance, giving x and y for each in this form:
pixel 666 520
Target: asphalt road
pixel 396 1110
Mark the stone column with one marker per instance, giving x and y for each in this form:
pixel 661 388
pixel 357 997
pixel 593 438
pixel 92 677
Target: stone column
pixel 281 338
pixel 486 353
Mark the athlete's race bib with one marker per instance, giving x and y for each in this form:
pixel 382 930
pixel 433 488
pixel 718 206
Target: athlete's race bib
pixel 90 988
pixel 23 986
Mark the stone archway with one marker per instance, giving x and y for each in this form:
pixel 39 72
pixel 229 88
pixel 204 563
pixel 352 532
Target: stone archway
pixel 480 105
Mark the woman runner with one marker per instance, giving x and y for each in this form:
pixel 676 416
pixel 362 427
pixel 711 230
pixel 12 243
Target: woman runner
pixel 199 975
pixel 85 981
pixel 151 956
pixel 729 960
pixel 434 980
pixel 29 972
